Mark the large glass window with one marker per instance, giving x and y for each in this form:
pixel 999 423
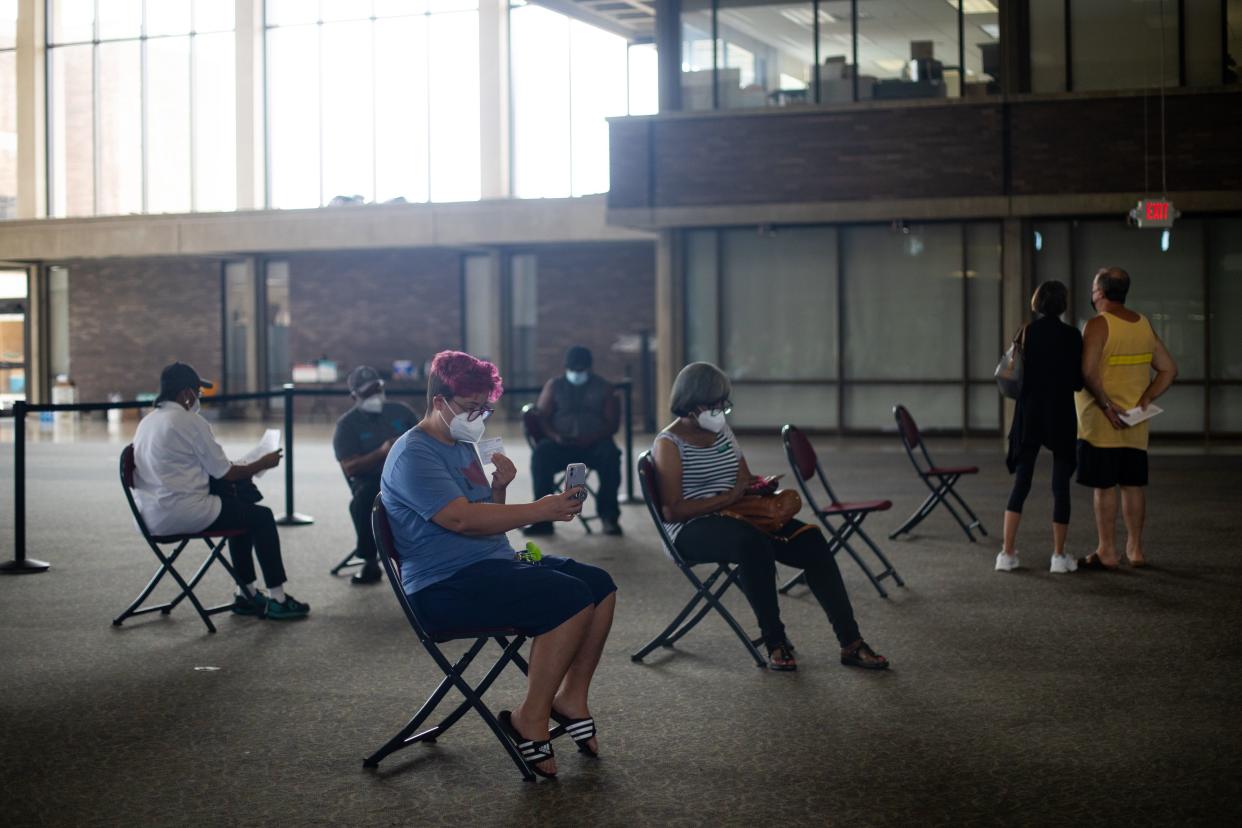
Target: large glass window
pixel 752 53
pixel 8 109
pixel 1185 281
pixel 910 314
pixel 140 107
pixel 373 101
pixel 909 50
pixel 1130 44
pixel 568 78
pixel 1117 44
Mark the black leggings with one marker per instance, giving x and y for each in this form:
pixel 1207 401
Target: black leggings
pixel 360 507
pixel 1062 471
pixel 719 539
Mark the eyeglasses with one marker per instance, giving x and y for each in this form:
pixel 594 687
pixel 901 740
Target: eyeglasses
pixel 723 407
pixel 473 414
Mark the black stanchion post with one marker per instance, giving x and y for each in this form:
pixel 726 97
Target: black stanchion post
pixel 629 441
pixel 291 517
pixel 20 565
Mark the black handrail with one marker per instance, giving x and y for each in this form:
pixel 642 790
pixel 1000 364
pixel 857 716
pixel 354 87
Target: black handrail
pixel 288 393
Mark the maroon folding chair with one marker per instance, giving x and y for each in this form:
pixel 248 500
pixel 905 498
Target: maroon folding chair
pixel 805 462
pixel 939 479
pixel 453 673
pixel 215 542
pixel 706 591
pixel 532 428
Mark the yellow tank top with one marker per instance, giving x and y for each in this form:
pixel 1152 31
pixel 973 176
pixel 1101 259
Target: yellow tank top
pixel 1125 371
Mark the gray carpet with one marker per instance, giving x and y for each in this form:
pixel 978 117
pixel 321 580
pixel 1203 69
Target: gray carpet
pixel 1021 698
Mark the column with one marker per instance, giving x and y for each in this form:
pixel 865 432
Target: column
pixel 494 97
pixel 668 50
pixel 669 311
pixel 31 110
pixel 251 99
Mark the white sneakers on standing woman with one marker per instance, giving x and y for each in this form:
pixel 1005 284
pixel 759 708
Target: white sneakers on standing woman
pixel 1006 563
pixel 1060 564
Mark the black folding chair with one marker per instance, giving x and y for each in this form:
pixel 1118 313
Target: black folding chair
pixel 532 428
pixel 348 562
pixel 805 462
pixel 939 479
pixel 215 542
pixel 706 591
pixel 453 673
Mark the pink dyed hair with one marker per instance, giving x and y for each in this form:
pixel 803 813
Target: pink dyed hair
pixel 457 374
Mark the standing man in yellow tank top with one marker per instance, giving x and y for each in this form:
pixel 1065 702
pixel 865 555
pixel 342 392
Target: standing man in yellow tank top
pixel 1119 352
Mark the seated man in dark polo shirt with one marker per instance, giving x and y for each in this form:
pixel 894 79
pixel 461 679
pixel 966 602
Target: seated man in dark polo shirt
pixel 580 414
pixel 362 440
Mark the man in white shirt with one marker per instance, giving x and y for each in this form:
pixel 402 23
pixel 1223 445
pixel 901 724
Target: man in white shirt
pixel 177 459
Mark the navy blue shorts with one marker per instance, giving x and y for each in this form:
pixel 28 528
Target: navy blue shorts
pixel 502 594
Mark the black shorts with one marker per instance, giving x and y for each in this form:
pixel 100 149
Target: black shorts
pixel 501 594
pixel 1103 468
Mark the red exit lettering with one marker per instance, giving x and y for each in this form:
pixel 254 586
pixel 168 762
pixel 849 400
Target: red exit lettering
pixel 1157 210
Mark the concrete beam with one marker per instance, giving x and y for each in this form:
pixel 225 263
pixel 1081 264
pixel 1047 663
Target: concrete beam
pixel 832 212
pixel 483 223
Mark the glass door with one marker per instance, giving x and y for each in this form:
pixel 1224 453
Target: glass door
pixel 13 306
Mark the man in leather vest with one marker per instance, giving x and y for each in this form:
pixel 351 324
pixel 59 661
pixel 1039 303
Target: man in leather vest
pixel 580 415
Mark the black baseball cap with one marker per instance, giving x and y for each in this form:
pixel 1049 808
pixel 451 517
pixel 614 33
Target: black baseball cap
pixel 578 358
pixel 176 378
pixel 362 378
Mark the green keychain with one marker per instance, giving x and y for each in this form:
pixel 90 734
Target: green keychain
pixel 532 553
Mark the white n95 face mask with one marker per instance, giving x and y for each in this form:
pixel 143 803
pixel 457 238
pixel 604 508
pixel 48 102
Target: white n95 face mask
pixel 711 420
pixel 197 407
pixel 373 404
pixel 463 429
pixel 577 377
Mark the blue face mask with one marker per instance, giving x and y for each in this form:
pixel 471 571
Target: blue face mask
pixel 577 377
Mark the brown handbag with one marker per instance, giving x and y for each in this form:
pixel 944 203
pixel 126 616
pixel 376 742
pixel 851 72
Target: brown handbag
pixel 767 513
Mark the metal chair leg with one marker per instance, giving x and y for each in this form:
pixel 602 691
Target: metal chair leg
pixel 975 524
pixel 350 560
pixel 132 609
pixel 689 625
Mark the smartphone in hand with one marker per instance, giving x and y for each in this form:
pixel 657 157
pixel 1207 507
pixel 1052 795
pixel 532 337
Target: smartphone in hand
pixel 576 475
pixel 763 485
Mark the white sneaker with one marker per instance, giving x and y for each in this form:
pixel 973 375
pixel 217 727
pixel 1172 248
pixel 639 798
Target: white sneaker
pixel 1063 564
pixel 1006 563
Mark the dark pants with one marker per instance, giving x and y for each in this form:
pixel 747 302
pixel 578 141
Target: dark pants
pixel 719 539
pixel 365 489
pixel 1062 471
pixel 260 536
pixel 604 457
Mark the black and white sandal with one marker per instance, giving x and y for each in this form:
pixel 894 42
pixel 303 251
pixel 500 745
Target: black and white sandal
pixel 581 731
pixel 533 752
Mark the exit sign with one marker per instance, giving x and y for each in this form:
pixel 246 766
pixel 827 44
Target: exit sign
pixel 1152 212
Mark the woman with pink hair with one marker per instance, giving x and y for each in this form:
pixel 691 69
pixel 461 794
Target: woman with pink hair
pixel 449 523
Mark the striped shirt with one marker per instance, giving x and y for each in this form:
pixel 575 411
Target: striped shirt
pixel 705 472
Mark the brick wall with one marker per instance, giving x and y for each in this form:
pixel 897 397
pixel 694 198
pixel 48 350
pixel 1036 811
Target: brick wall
pixel 950 149
pixel 128 319
pixel 590 294
pixel 374 306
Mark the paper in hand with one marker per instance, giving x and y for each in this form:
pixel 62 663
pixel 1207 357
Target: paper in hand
pixel 489 447
pixel 269 443
pixel 1138 415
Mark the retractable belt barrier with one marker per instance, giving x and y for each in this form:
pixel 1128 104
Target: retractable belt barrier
pixel 20 564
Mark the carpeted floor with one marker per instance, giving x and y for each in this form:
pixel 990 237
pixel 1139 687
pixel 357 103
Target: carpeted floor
pixel 1021 698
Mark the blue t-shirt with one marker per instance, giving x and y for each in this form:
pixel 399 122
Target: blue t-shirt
pixel 422 476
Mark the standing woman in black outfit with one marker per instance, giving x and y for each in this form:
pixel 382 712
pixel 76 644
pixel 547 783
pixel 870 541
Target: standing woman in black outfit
pixel 1045 416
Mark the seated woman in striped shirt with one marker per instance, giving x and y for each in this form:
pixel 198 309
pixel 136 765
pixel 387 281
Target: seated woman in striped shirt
pixel 701 471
